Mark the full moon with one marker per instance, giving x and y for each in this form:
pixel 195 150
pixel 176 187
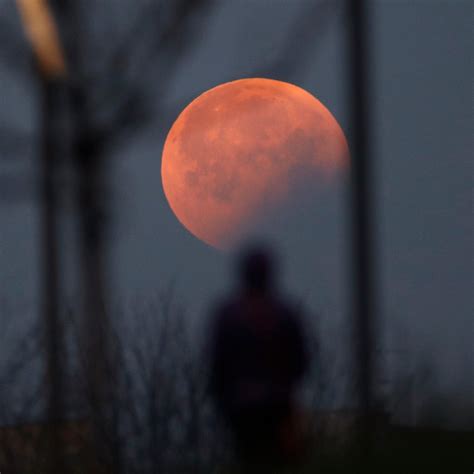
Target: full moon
pixel 242 149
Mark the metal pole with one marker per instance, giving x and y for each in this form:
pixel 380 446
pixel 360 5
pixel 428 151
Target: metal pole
pixel 50 273
pixel 362 205
pixel 91 183
pixel 91 199
pixel 96 328
pixel 40 28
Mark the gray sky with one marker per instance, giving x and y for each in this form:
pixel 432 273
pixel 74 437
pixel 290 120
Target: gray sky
pixel 422 52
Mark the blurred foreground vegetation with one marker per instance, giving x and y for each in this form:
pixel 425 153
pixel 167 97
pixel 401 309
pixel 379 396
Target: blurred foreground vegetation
pixel 398 450
pixel 158 416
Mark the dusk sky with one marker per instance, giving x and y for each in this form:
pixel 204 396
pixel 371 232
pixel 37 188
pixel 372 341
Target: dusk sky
pixel 422 107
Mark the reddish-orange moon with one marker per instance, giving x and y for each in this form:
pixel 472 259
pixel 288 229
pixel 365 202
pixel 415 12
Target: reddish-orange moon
pixel 242 148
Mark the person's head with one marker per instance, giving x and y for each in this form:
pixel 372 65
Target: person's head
pixel 256 268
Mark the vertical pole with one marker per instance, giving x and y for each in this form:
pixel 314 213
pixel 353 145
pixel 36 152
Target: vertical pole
pixel 96 330
pixel 41 29
pixel 90 172
pixel 362 206
pixel 91 216
pixel 50 273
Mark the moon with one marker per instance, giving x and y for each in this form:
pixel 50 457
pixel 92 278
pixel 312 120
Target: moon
pixel 244 148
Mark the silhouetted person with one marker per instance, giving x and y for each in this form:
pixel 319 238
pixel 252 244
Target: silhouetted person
pixel 257 358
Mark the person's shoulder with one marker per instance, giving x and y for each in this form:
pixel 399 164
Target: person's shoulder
pixel 226 303
pixel 224 308
pixel 292 313
pixel 290 307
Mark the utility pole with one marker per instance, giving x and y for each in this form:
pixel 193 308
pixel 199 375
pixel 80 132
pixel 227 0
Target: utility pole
pixel 96 330
pixel 362 203
pixel 41 30
pixel 91 200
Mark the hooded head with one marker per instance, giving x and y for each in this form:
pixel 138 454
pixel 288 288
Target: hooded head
pixel 256 268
